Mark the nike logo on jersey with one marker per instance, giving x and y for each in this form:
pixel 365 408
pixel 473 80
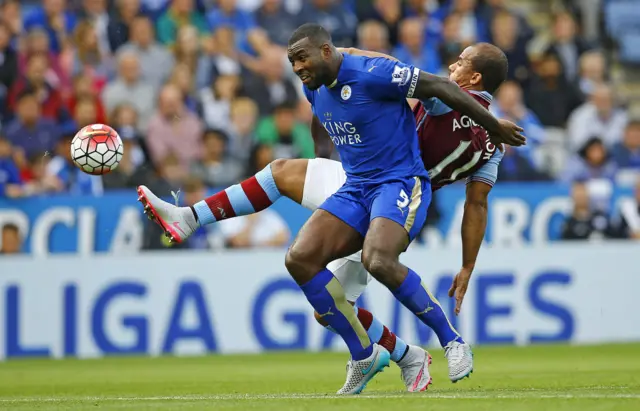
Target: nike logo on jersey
pixel 372 67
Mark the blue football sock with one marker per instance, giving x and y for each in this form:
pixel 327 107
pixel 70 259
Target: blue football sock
pixel 414 295
pixel 327 297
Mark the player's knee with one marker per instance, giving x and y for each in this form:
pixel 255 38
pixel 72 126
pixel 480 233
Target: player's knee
pixel 278 168
pixel 378 262
pixel 289 175
pixel 300 261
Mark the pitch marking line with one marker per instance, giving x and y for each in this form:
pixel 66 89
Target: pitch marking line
pixel 252 397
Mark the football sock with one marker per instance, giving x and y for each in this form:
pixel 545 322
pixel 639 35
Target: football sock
pixel 327 297
pixel 414 295
pixel 379 333
pixel 250 196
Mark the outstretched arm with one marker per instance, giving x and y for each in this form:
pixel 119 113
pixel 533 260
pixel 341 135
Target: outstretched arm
pixel 429 85
pixel 474 224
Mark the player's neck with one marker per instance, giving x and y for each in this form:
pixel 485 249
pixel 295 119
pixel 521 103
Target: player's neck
pixel 336 63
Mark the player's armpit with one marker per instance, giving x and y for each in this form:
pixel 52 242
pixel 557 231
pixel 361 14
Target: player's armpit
pixel 321 140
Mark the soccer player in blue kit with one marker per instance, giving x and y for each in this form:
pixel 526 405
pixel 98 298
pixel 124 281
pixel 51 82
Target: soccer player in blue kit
pixel 361 102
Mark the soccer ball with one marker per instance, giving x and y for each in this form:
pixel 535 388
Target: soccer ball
pixel 96 149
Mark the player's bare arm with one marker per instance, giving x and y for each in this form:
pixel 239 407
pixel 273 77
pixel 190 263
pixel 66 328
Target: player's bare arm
pixel 429 85
pixel 474 224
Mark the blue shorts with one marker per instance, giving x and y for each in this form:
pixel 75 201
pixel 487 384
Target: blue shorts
pixel 403 201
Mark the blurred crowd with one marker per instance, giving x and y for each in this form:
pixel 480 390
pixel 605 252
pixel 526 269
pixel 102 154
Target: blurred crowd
pixel 201 93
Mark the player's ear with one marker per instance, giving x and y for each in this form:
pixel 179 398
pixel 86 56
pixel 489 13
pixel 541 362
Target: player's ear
pixel 325 51
pixel 476 78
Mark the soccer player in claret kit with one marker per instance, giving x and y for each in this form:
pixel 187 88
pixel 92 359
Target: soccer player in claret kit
pixel 381 206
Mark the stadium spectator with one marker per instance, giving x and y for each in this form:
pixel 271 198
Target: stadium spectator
pixel 241 129
pixel 550 95
pixel 451 45
pixel 182 78
pixel 11 15
pixel 83 88
pixel 96 13
pixel 388 12
pixel 121 24
pixel 188 51
pixel 374 36
pixel 261 155
pixel 30 131
pixel 411 48
pixel 124 119
pixel 592 71
pixel 174 130
pixel 493 8
pixel 505 34
pixel 249 37
pixel 8 66
pixel 626 154
pixel 156 62
pixel 11 239
pixel 215 169
pixel 585 222
pixel 567 45
pixel 85 113
pixel 37 43
pixel 515 166
pixel 509 105
pixel 265 229
pixel 330 14
pixel 592 162
pixel 89 58
pixel 215 101
pixel 289 138
pixel 223 59
pixel 55 19
pixel 130 87
pixel 276 21
pixel 599 116
pixel 629 215
pixel 270 87
pixel 70 178
pixel 181 13
pixel 10 181
pixel 473 28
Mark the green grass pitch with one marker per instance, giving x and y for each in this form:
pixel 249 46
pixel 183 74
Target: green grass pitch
pixel 540 378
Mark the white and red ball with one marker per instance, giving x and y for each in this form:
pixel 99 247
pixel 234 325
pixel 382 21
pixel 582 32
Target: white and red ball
pixel 96 149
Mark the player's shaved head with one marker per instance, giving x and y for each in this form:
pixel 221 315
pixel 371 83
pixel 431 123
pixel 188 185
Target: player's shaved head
pixel 315 33
pixel 313 56
pixel 491 63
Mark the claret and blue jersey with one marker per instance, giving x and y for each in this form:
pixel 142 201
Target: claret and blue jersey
pixel 366 114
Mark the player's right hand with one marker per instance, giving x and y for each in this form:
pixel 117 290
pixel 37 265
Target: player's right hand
pixel 459 287
pixel 510 134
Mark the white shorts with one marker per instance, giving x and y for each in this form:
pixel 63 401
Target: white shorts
pixel 325 177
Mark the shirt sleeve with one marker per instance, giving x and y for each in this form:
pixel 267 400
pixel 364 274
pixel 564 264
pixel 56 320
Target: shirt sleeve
pixel 435 107
pixel 390 80
pixel 488 173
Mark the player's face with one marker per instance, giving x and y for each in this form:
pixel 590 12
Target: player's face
pixel 462 70
pixel 310 63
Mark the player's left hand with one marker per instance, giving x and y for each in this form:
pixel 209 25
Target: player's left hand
pixel 511 134
pixel 459 287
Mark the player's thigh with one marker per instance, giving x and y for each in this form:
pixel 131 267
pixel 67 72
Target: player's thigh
pixel 351 275
pixel 289 176
pixel 322 179
pixel 398 212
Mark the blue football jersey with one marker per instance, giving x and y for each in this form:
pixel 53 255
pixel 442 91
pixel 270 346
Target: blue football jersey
pixel 369 120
